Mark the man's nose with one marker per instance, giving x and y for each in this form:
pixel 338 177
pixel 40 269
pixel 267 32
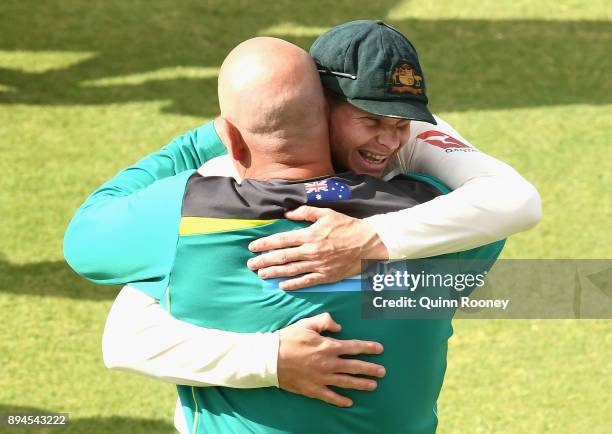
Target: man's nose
pixel 389 137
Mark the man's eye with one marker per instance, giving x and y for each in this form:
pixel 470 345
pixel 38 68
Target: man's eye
pixel 371 122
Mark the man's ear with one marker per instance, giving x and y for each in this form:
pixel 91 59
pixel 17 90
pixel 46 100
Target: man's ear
pixel 236 145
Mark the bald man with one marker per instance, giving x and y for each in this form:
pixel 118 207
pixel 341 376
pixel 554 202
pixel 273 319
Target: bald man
pixel 197 251
pixel 288 139
pixel 281 134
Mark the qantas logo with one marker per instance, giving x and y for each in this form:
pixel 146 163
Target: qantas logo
pixel 444 141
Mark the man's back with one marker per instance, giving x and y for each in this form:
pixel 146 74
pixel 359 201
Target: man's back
pixel 210 286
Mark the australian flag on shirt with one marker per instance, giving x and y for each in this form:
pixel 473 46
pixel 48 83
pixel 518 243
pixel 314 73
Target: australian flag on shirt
pixel 326 190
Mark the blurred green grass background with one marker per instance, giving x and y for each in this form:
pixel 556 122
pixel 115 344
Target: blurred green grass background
pixel 88 88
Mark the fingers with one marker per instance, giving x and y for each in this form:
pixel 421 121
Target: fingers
pixel 350 382
pixel 353 347
pixel 280 257
pixel 281 240
pixel 359 367
pixel 287 270
pixel 321 323
pixel 308 363
pixel 307 213
pixel 326 394
pixel 305 281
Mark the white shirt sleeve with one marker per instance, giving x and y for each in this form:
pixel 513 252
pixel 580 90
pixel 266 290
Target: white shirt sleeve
pixel 141 337
pixel 490 200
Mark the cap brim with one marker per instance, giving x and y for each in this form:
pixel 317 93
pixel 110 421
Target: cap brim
pixel 402 109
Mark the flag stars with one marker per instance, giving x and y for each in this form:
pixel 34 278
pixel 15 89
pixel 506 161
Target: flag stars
pixel 326 191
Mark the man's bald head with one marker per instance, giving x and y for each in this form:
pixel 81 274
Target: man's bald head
pixel 269 89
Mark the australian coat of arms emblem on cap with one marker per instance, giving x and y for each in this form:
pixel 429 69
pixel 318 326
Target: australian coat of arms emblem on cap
pixel 404 78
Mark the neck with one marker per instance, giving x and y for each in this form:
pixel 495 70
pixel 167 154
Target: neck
pixel 282 171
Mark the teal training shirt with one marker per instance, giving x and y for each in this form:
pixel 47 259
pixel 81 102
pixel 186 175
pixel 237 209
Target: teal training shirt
pixel 209 285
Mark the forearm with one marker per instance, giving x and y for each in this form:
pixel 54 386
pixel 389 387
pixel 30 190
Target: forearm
pixel 141 337
pixel 185 152
pixel 480 212
pixel 112 236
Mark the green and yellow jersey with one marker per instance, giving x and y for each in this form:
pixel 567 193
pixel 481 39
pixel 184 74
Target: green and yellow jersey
pixel 199 273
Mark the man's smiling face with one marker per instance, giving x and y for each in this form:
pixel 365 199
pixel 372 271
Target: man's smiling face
pixel 362 142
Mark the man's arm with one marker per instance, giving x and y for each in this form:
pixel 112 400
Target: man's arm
pixel 185 152
pixel 141 337
pixel 490 201
pixel 130 238
pixel 101 242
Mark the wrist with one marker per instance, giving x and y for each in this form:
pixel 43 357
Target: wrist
pixel 271 375
pixel 373 246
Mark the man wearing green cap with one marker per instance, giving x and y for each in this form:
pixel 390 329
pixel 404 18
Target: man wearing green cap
pixel 378 103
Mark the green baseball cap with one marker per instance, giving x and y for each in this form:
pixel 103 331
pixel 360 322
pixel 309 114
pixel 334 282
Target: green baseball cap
pixel 375 68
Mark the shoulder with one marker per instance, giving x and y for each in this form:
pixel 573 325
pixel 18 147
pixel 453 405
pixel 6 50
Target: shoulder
pixel 224 197
pixel 370 196
pixel 427 141
pixel 440 134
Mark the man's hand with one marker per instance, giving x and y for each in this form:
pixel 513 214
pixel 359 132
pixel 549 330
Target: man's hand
pixel 329 250
pixel 309 362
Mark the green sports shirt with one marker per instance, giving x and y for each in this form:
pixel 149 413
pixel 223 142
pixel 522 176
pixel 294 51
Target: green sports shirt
pixel 205 282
